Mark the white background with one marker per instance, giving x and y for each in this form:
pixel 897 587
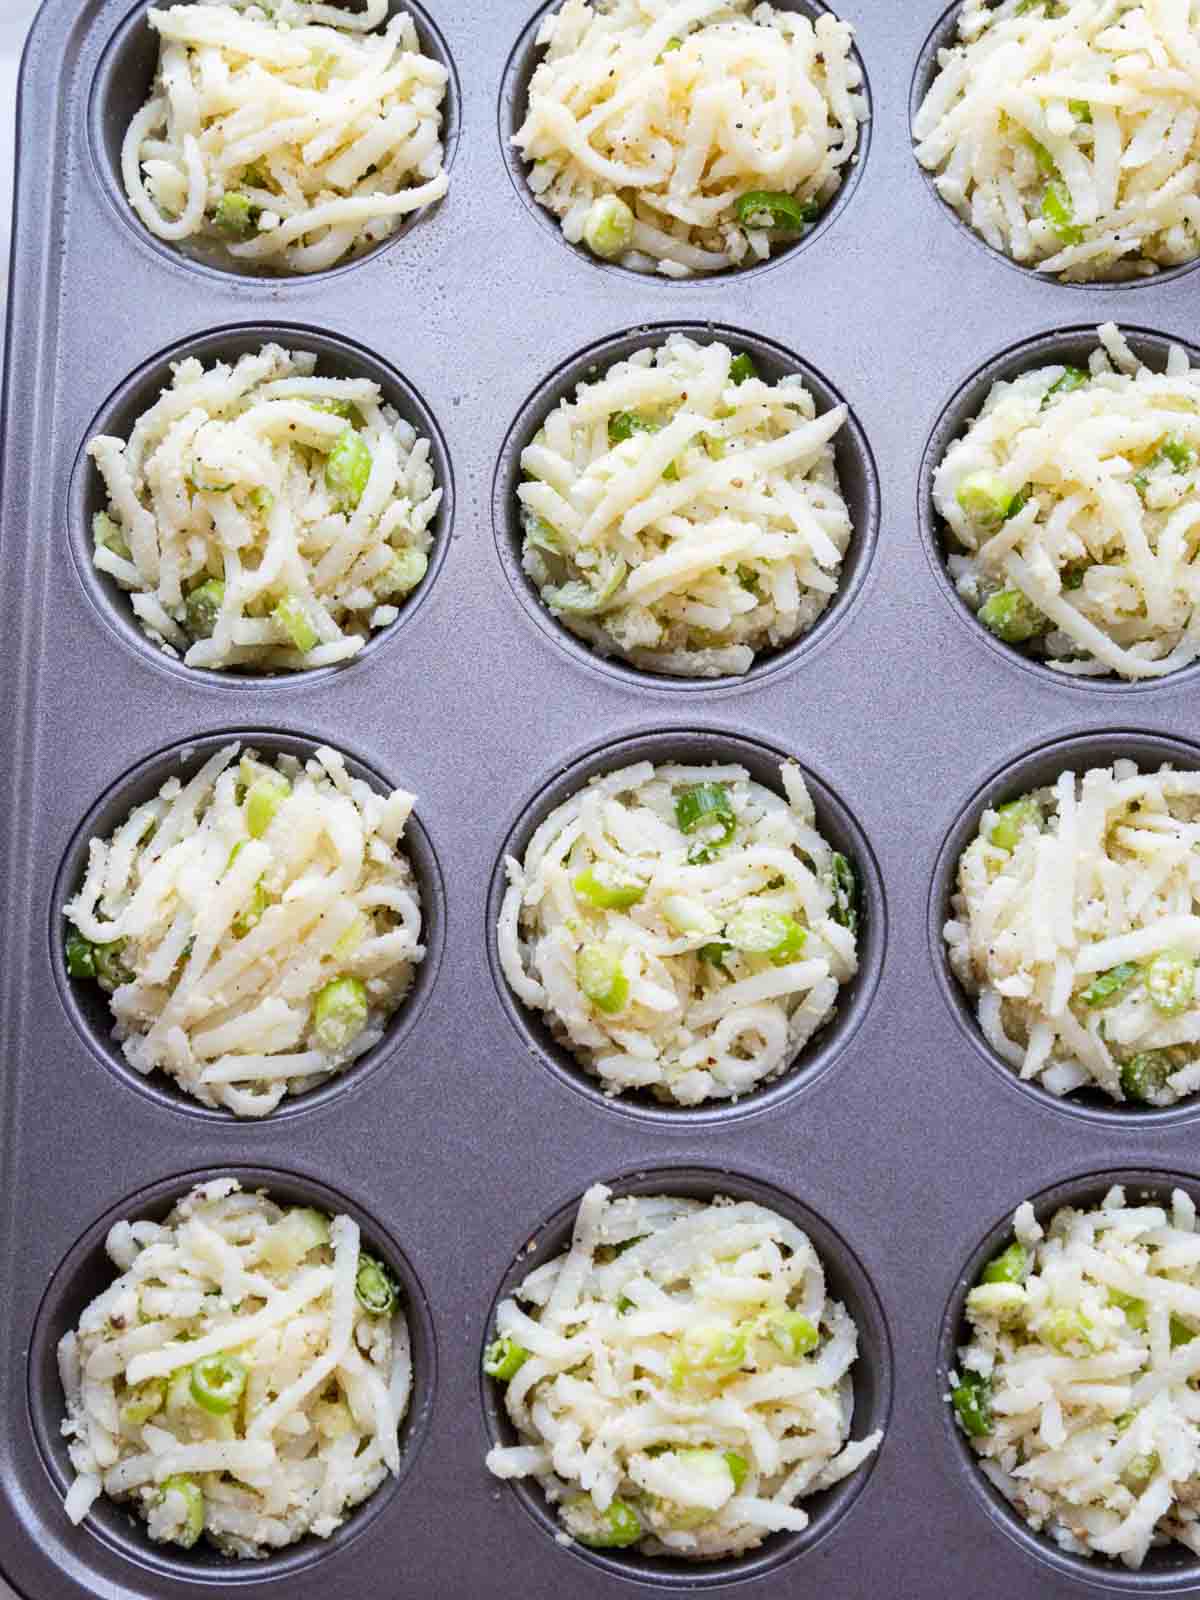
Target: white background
pixel 15 17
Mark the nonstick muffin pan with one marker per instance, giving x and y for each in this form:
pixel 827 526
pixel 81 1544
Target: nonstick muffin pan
pixel 466 1138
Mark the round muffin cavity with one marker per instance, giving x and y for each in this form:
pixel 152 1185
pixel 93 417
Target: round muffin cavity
pixel 254 926
pixel 1073 508
pixel 683 513
pixel 685 140
pixel 244 1377
pixel 684 930
pixel 1075 924
pixel 264 518
pixel 684 1360
pixel 1065 132
pixel 1075 1386
pixel 284 137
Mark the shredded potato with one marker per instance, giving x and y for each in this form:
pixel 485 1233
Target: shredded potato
pixel 263 518
pixel 285 136
pixel 1076 497
pixel 679 1378
pixel 1076 923
pixel 648 121
pixel 683 929
pixel 254 927
pixel 1077 1387
pixel 683 513
pixel 232 1382
pixel 1067 132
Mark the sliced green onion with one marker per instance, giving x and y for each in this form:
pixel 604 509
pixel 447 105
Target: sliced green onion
pixel 263 799
pixel 236 215
pixel 1181 456
pixel 843 880
pixel 374 1286
pixel 1171 981
pixel 771 208
pixel 972 1399
pixel 742 367
pixel 738 1468
pixel 1080 110
pixel 1145 1075
pixel 1072 378
pixel 1134 1309
pixel 612 1529
pixel 608 226
pixel 202 608
pixel 705 806
pixel 293 618
pixel 609 888
pixel 111 971
pixel 708 1352
pixel 1104 989
pixel 985 498
pixel 1012 820
pixel 623 425
pixel 403 574
pixel 339 1013
pixel 347 467
pixel 577 598
pixel 250 915
pixel 714 953
pixel 1059 212
pixel 1010 1266
pixel 766 933
pixel 1012 616
pixel 1046 162
pixel 109 535
pixel 217 1383
pixel 504 1358
pixel 793 1334
pixel 600 977
pixel 80 955
pixel 193 1500
pixel 142 1402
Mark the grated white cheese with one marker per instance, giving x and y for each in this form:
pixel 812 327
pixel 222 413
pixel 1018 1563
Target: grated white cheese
pixel 1075 496
pixel 285 136
pixel 648 120
pixel 1076 923
pixel 685 1381
pixel 736 550
pixel 725 943
pixel 1067 132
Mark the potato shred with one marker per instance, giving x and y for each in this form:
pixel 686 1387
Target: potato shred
pixel 285 136
pixel 244 1377
pixel 683 512
pixel 687 136
pixel 1073 503
pixel 1067 132
pixel 265 518
pixel 684 930
pixel 255 925
pixel 1076 924
pixel 679 1378
pixel 1076 1386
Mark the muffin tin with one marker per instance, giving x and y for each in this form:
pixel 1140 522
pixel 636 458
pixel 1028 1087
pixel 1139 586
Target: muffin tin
pixel 465 1139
